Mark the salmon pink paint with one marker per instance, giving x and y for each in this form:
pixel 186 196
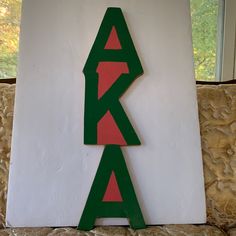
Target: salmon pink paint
pixel 108 131
pixel 113 41
pixel 112 193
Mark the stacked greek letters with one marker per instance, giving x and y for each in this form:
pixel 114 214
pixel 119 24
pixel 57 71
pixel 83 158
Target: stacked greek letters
pixel 111 67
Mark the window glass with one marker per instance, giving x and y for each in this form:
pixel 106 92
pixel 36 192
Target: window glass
pixel 205 19
pixel 9 37
pixel 205 26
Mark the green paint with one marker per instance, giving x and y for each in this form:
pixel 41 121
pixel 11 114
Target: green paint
pixel 96 108
pixel 112 160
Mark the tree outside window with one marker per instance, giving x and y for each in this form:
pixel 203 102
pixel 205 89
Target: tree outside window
pixel 9 34
pixel 205 31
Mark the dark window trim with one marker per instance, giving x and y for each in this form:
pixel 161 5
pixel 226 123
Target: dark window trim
pixel 13 81
pixel 8 81
pixel 216 82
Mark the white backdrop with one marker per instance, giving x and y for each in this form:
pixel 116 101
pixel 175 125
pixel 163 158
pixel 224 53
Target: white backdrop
pixel 51 170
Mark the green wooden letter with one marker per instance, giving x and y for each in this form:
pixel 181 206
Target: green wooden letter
pixel 100 206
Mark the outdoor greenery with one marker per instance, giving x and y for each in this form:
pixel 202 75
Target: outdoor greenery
pixel 9 33
pixel 204 31
pixel 204 23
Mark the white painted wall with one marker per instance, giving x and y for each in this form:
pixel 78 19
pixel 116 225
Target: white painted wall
pixel 51 169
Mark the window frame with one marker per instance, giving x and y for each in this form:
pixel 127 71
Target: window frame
pixel 228 46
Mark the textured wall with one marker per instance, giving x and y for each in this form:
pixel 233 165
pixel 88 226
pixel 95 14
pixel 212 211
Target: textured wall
pixel 217 112
pixel 170 230
pixel 6 114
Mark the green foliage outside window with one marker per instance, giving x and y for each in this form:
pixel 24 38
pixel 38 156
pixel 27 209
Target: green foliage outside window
pixel 9 33
pixel 204 25
pixel 204 31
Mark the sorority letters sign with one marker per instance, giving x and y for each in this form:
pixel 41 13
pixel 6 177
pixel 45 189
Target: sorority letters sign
pixel 105 125
pixel 111 67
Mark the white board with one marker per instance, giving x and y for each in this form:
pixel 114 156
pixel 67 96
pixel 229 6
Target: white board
pixel 51 170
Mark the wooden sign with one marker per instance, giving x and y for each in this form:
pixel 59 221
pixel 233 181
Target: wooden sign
pixel 111 67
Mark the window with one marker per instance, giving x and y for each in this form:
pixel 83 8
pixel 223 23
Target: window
pixel 9 34
pixel 213 25
pixel 207 32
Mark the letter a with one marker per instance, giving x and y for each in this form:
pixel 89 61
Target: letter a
pixel 112 194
